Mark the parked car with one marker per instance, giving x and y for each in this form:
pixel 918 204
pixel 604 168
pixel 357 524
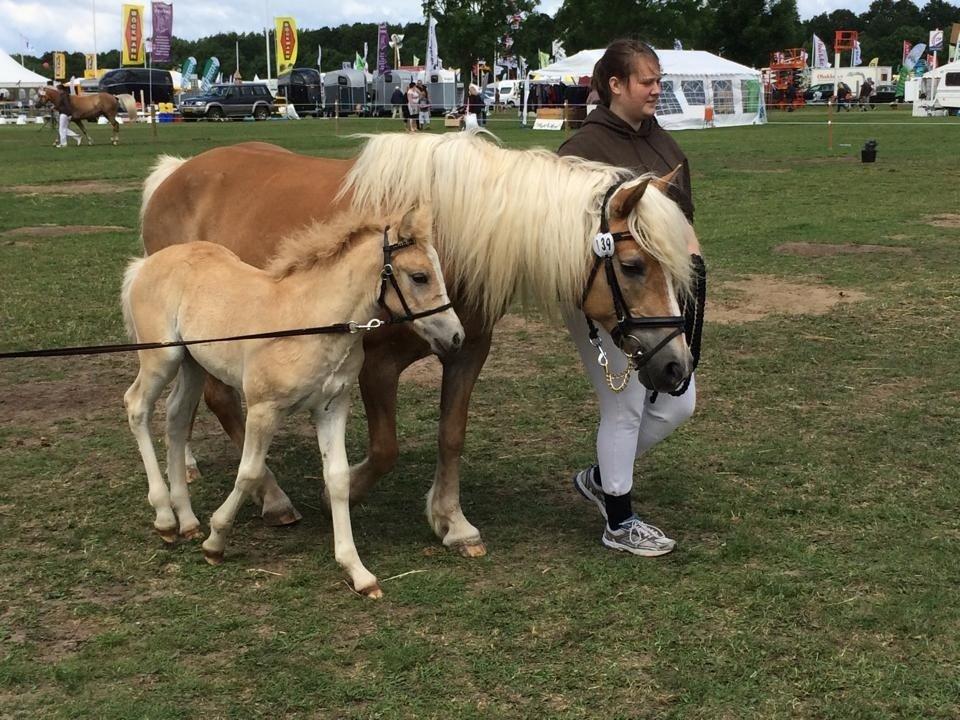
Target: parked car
pixel 156 85
pixel 230 101
pixel 885 93
pixel 818 93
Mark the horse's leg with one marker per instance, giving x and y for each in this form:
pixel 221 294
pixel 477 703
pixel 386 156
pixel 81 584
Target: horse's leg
pixel 115 137
pixel 379 380
pixel 262 423
pixel 460 372
pixel 155 372
pixel 224 401
pixel 83 130
pixel 181 406
pixel 331 428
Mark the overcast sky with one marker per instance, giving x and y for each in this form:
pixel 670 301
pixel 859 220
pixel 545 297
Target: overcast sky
pixel 68 24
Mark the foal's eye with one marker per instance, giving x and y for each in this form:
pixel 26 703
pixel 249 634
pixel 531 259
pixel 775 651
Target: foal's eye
pixel 420 278
pixel 635 269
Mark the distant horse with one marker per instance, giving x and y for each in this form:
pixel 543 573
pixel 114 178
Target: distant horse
pixel 327 274
pixel 507 223
pixel 90 107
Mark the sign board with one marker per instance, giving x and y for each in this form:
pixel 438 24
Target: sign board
pixel 548 124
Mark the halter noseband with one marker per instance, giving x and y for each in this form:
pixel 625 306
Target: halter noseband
pixel 604 245
pixel 386 274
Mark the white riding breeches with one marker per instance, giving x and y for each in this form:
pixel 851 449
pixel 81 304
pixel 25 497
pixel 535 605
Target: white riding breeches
pixel 65 130
pixel 629 423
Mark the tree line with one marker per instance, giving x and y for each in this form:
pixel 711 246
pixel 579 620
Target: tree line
pixel 745 31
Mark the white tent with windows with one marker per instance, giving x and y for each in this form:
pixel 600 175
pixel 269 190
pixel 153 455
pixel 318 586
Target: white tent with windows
pixel 16 80
pixel 699 88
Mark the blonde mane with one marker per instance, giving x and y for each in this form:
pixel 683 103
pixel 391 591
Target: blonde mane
pixel 322 243
pixel 511 223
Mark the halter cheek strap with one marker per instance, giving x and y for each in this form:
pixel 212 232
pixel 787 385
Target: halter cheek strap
pixel 387 275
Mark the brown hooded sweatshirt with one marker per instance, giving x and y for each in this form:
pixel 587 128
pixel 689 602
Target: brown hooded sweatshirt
pixel 604 137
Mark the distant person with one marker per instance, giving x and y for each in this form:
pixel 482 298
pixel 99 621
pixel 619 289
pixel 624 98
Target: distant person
pixel 64 110
pixel 413 107
pixel 423 106
pixel 866 92
pixel 475 104
pixel 843 96
pixel 791 95
pixel 396 101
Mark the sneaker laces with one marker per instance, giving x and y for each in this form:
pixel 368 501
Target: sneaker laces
pixel 637 527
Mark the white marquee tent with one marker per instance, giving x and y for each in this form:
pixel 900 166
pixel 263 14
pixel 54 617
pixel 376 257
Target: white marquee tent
pixel 693 80
pixel 14 76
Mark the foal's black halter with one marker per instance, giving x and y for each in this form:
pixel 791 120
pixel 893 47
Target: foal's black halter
pixel 386 274
pixel 603 248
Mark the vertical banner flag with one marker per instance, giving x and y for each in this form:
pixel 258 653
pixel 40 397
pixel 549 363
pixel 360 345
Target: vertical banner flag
pixel 556 49
pixel 433 53
pixel 820 57
pixel 855 58
pixel 383 52
pixel 544 58
pixel 913 57
pixel 188 68
pixel 319 56
pixel 677 45
pixel 357 61
pixel 162 30
pixel 936 41
pixel 874 62
pixel 210 68
pixel 59 66
pixel 906 52
pixel 131 41
pixel 89 65
pixel 286 44
pixel 365 50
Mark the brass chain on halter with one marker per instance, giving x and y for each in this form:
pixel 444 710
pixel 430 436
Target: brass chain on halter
pixel 617 382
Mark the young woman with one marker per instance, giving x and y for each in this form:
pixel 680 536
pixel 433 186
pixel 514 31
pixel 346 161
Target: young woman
pixel 424 106
pixel 622 130
pixel 413 107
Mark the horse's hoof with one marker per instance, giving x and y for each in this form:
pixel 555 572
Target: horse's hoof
pixel 473 549
pixel 194 533
pixel 373 592
pixel 193 473
pixel 290 516
pixel 213 557
pixel 169 536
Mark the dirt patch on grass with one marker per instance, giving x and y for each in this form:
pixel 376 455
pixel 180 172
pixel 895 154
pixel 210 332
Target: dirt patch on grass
pixel 944 220
pixel 49 231
pixel 77 187
pixel 758 296
pixel 803 249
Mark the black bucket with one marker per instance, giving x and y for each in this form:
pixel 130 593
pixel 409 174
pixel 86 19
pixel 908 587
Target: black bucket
pixel 869 151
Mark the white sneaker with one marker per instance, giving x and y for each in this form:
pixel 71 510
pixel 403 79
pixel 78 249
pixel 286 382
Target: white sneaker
pixel 637 537
pixel 584 484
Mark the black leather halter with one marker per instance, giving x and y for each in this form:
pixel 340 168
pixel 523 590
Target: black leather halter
pixel 603 248
pixel 386 274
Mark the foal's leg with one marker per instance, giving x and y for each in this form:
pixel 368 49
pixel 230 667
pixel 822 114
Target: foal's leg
pixel 331 428
pixel 262 422
pixel 157 367
pixel 460 372
pixel 181 406
pixel 224 401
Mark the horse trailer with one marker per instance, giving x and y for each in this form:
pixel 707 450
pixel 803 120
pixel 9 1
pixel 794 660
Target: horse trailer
pixel 345 92
pixel 302 88
pixel 384 85
pixel 442 88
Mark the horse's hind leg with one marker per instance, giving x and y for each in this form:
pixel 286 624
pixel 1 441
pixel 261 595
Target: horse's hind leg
pixel 83 131
pixel 224 401
pixel 181 405
pixel 460 372
pixel 262 422
pixel 157 368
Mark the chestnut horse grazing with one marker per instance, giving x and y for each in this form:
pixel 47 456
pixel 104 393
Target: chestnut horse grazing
pixel 91 107
pixel 345 270
pixel 507 224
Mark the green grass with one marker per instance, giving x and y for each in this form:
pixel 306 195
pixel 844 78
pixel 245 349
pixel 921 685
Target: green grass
pixel 814 495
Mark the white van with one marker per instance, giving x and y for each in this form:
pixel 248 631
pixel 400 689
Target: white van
pixel 509 91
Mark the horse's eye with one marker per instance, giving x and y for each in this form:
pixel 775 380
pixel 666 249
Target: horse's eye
pixel 636 269
pixel 420 278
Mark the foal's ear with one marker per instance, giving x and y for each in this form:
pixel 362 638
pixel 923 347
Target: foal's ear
pixel 416 222
pixel 663 183
pixel 626 199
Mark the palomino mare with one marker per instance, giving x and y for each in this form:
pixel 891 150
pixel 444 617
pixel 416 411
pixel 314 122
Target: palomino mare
pixel 91 107
pixel 344 270
pixel 506 223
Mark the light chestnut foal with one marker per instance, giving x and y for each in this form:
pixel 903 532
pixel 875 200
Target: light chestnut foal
pixel 326 274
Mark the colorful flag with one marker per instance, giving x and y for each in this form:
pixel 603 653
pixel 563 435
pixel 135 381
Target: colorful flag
pixel 433 52
pixel 210 68
pixel 820 57
pixel 286 34
pixel 677 45
pixel 906 52
pixel 556 49
pixel 357 62
pixel 131 40
pixel 855 58
pixel 162 31
pixel 874 62
pixel 383 52
pixel 913 57
pixel 544 58
pixel 59 66
pixel 936 41
pixel 416 61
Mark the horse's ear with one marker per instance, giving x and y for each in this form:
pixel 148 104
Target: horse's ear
pixel 416 222
pixel 626 199
pixel 663 183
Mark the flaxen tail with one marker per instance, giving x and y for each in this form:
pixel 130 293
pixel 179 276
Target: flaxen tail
pixel 129 105
pixel 163 168
pixel 129 277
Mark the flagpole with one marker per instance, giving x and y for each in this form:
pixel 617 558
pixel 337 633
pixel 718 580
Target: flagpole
pixel 94 4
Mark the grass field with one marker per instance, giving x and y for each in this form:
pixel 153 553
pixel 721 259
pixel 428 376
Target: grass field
pixel 814 495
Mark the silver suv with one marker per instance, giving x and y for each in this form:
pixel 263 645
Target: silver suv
pixel 229 101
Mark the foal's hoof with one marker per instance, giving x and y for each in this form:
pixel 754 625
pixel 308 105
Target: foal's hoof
pixel 193 473
pixel 194 533
pixel 169 536
pixel 290 516
pixel 373 592
pixel 471 549
pixel 213 557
